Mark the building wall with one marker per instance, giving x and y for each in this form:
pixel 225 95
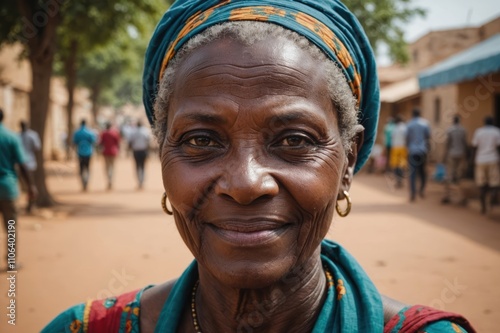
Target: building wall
pixel 439 45
pixel 54 139
pixel 395 73
pixel 15 104
pixel 15 86
pixel 403 109
pixel 489 29
pixel 476 100
pixel 14 71
pixel 439 106
pixel 471 100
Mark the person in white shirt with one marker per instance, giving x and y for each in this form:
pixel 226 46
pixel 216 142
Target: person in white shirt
pixel 486 144
pixel 31 144
pixel 139 144
pixel 126 132
pixel 399 153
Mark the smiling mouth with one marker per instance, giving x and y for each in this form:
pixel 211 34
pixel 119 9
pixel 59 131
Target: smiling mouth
pixel 248 234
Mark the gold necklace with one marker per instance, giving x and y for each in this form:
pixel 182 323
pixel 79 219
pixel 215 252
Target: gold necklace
pixel 329 284
pixel 193 308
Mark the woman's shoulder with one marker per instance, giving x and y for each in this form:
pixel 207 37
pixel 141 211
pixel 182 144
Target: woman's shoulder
pixel 421 318
pixel 71 320
pixel 113 314
pixel 152 302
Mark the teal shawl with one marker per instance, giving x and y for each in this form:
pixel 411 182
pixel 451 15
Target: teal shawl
pixel 357 307
pixel 326 23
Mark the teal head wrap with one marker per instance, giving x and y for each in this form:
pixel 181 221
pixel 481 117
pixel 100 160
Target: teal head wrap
pixel 326 23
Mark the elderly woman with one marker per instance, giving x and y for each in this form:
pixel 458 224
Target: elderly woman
pixel 263 111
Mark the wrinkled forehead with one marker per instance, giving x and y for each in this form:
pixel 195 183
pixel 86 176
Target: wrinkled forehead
pixel 279 62
pixel 225 81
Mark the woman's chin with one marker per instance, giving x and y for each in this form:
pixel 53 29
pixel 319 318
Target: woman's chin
pixel 256 262
pixel 248 274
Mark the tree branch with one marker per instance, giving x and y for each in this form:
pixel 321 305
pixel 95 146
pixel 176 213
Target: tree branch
pixel 48 33
pixel 26 11
pixel 24 8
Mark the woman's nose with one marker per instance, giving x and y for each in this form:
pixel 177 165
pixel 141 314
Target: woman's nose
pixel 246 180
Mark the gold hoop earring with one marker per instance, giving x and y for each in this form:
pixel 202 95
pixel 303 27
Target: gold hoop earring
pixel 164 204
pixel 349 205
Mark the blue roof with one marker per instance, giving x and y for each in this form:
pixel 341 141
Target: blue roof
pixel 476 61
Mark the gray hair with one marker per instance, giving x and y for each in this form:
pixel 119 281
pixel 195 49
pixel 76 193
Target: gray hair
pixel 248 33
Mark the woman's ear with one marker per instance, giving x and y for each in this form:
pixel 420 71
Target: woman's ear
pixel 352 157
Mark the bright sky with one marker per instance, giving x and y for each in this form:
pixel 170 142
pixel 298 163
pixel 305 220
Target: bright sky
pixel 446 14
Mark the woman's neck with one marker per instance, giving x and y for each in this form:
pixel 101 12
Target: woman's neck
pixel 290 305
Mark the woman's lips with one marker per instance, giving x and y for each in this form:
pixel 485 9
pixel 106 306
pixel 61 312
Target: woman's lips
pixel 249 234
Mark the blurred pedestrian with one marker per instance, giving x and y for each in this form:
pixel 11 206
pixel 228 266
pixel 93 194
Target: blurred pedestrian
pixel 399 154
pixel 418 143
pixel 139 144
pixel 126 131
pixel 31 144
pixel 388 129
pixel 455 155
pixel 84 139
pixel 11 154
pixel 485 144
pixel 109 141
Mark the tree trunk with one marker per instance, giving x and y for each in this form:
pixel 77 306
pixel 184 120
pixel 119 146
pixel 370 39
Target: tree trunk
pixel 70 71
pixel 96 92
pixel 39 106
pixel 41 50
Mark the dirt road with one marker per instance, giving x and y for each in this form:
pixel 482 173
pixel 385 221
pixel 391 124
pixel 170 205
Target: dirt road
pixel 101 243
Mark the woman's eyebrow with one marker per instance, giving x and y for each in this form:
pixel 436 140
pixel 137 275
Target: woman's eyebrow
pixel 295 117
pixel 290 116
pixel 202 117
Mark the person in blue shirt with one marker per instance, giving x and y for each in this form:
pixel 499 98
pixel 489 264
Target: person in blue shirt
pixel 84 139
pixel 11 154
pixel 417 141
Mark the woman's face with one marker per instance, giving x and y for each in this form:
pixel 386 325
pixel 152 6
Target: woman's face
pixel 253 159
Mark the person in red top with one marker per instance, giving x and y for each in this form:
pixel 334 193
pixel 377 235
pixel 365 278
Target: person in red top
pixel 110 143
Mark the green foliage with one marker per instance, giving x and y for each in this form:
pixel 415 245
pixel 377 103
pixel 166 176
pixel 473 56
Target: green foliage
pixel 383 21
pixel 9 24
pixel 110 52
pixel 114 70
pixel 94 22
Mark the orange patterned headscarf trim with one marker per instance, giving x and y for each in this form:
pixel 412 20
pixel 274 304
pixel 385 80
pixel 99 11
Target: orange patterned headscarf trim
pixel 266 13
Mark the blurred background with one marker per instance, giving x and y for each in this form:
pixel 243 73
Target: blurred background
pixel 62 62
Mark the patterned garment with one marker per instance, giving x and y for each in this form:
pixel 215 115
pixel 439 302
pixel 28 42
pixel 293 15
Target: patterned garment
pixel 327 24
pixel 352 305
pixel 423 319
pixel 116 314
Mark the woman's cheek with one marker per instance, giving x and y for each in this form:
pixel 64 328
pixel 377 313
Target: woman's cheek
pixel 187 186
pixel 316 188
pixel 317 194
pixel 189 234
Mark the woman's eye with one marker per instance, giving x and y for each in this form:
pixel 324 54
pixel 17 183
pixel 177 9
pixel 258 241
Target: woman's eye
pixel 202 141
pixel 295 141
